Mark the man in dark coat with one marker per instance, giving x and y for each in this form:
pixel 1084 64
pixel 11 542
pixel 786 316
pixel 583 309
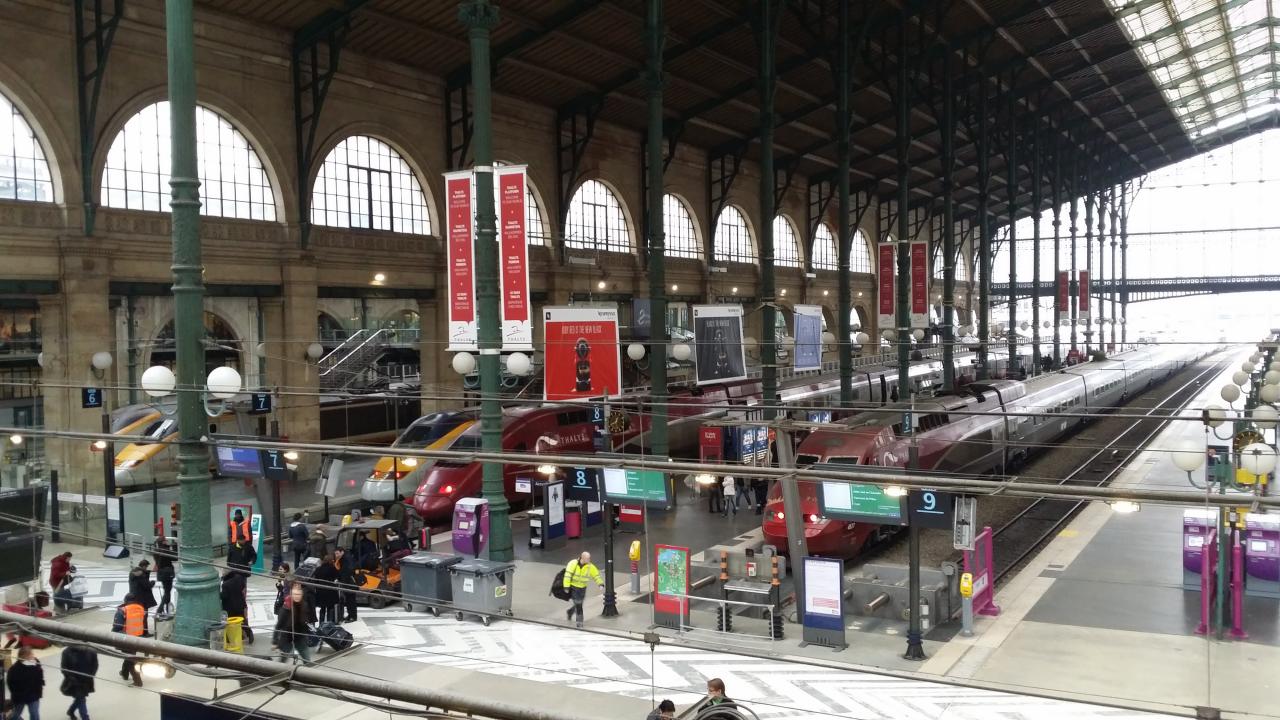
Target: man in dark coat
pixel 348 583
pixel 298 538
pixel 141 584
pixel 79 666
pixel 234 600
pixel 165 551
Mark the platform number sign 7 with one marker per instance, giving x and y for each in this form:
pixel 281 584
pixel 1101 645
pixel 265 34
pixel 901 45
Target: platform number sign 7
pixel 261 404
pixel 930 509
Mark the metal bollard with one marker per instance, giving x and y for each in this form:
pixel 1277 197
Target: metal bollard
pixel 966 604
pixel 635 578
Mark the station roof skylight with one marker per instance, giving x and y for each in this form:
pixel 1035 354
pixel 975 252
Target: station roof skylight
pixel 1215 61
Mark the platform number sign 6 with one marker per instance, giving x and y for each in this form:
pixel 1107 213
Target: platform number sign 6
pixel 930 508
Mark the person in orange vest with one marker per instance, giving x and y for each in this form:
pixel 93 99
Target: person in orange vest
pixel 131 619
pixel 240 552
pixel 238 529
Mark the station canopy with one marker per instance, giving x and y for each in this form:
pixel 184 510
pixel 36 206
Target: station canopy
pixel 1215 61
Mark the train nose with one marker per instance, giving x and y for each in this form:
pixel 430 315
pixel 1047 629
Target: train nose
pixel 124 477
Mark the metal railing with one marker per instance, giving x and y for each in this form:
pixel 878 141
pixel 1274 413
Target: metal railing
pixel 730 638
pixel 358 352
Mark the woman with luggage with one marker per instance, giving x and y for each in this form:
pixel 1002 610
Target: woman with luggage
pixel 326 587
pixel 293 628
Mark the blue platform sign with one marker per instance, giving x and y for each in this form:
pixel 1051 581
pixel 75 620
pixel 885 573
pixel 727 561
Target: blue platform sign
pixel 746 444
pixel 819 416
pixel 930 509
pixel 583 484
pixel 762 443
pixel 274 465
pixel 90 398
pixel 261 403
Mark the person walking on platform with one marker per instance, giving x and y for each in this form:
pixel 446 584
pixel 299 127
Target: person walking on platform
pixel 760 487
pixel 399 513
pixel 326 585
pixel 141 585
pixel 293 624
pixel 666 709
pixel 165 551
pixel 347 584
pixel 715 498
pixel 130 619
pixel 59 566
pixel 317 544
pixel 26 684
pixel 235 603
pixel 298 539
pixel 79 666
pixel 576 575
pixel 720 701
pixel 730 496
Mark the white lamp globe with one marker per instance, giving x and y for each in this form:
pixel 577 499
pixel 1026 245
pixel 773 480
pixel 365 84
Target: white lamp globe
pixel 856 327
pixel 1047 324
pixel 889 335
pixel 635 351
pixel 1248 367
pixel 1269 393
pixel 1230 393
pixel 315 351
pixel 518 364
pixel 223 382
pixel 260 350
pixel 464 363
pixel 1258 459
pixel 1189 454
pixel 1272 377
pixel 1255 357
pixel 1240 377
pixel 966 330
pixel 1275 365
pixel 158 381
pixel 862 338
pixel 1217 414
pixel 918 334
pixel 101 360
pixel 40 359
pixel 682 352
pixel 1265 416
pixel 1025 325
pixel 749 343
pixel 828 338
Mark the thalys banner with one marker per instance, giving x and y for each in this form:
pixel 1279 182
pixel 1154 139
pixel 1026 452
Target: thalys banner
pixel 717 335
pixel 919 284
pixel 808 354
pixel 885 277
pixel 509 196
pixel 582 353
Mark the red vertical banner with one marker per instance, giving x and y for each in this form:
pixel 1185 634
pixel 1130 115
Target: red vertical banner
pixel 919 284
pixel 1063 304
pixel 1083 306
pixel 460 257
pixel 884 277
pixel 517 326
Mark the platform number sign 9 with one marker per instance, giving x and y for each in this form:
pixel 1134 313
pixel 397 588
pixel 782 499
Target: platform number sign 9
pixel 930 509
pixel 583 484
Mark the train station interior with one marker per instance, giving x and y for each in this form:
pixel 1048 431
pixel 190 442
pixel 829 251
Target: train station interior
pixel 594 359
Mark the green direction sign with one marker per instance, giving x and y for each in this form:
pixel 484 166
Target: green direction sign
pixel 860 503
pixel 622 485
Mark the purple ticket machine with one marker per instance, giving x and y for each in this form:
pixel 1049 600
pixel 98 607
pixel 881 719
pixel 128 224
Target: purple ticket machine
pixel 1197 523
pixel 470 526
pixel 1262 555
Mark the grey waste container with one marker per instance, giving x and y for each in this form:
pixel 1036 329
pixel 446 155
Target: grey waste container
pixel 482 587
pixel 424 581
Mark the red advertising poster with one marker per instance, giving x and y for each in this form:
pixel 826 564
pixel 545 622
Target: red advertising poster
pixel 1083 307
pixel 459 249
pixel 919 284
pixel 1063 305
pixel 711 444
pixel 885 277
pixel 517 328
pixel 582 353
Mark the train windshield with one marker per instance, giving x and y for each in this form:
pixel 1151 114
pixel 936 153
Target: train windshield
pixel 469 440
pixel 159 430
pixel 804 461
pixel 423 434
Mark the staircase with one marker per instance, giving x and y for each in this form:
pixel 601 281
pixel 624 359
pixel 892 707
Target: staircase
pixel 346 364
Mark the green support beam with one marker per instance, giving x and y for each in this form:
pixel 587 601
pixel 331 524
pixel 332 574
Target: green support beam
pixel 93 48
pixel 767 36
pixel 197 580
pixel 655 33
pixel 844 288
pixel 948 229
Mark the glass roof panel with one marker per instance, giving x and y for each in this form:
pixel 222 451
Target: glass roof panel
pixel 1215 61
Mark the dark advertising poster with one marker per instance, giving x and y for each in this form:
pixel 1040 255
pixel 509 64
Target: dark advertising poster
pixel 808 354
pixel 641 321
pixel 581 353
pixel 717 332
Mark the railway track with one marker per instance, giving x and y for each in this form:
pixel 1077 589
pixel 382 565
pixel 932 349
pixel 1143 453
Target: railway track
pixel 1023 534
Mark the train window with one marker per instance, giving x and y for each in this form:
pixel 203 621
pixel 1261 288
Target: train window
pixel 806 460
pixel 160 429
pixel 844 461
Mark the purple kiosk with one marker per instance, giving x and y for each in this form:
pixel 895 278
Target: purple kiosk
pixel 1197 523
pixel 1262 555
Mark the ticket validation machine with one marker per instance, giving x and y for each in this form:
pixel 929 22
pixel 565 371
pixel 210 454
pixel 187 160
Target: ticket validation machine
pixel 1197 523
pixel 1262 555
pixel 471 526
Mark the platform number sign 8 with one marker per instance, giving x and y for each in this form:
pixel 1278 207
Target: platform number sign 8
pixel 930 509
pixel 583 485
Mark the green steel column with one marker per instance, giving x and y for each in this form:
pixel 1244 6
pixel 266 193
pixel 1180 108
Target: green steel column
pixel 197 580
pixel 1125 199
pixel 656 32
pixel 844 291
pixel 948 228
pixel 1115 289
pixel 768 291
pixel 479 17
pixel 1055 193
pixel 1074 215
pixel 1087 292
pixel 984 235
pixel 1035 247
pixel 1012 180
pixel 1101 273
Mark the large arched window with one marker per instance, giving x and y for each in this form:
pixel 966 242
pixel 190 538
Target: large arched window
pixel 233 182
pixel 677 223
pixel 860 254
pixel 24 172
pixel 824 248
pixel 595 220
pixel 365 184
pixel 786 246
pixel 732 240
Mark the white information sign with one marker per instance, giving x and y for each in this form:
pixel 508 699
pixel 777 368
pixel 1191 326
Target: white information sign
pixel 822 587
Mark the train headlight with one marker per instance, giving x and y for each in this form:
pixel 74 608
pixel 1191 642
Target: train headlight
pixel 813 518
pixel 781 516
pixel 448 489
pixel 127 464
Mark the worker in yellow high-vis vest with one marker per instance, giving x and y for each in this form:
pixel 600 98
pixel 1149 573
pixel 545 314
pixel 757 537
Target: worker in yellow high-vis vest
pixel 576 576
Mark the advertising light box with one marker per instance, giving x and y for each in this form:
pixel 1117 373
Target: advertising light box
pixel 859 502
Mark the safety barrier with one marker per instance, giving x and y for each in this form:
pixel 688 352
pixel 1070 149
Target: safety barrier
pixel 721 635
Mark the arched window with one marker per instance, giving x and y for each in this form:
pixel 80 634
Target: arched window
pixel 677 223
pixel 365 184
pixel 786 246
pixel 860 254
pixel 535 228
pixel 732 240
pixel 595 220
pixel 962 268
pixel 824 248
pixel 24 172
pixel 233 182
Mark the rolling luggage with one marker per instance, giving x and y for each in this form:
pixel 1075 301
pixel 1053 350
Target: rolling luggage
pixel 335 636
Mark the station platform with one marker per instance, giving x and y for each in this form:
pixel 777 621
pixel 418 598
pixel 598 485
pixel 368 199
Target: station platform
pixel 1101 612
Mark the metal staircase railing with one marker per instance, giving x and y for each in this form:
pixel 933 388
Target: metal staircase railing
pixel 348 362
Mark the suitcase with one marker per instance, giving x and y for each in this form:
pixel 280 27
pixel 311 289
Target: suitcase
pixel 335 636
